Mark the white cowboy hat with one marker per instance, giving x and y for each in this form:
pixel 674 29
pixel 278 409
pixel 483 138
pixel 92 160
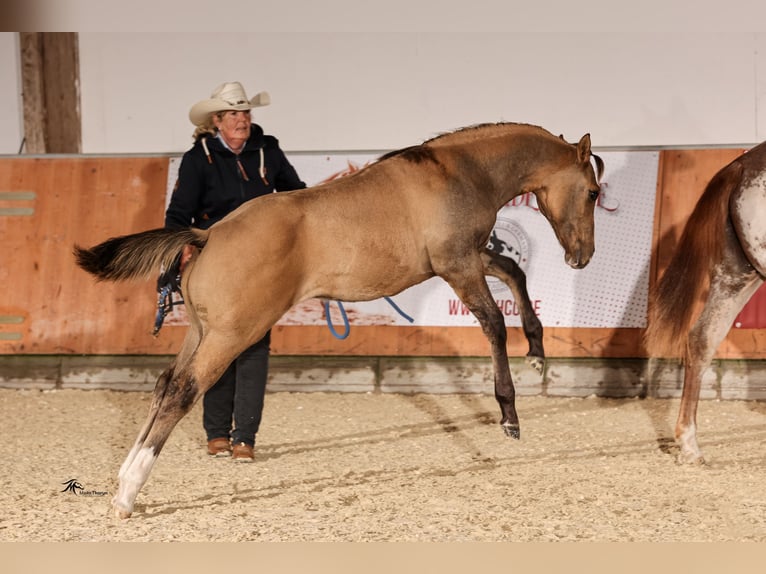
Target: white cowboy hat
pixel 227 96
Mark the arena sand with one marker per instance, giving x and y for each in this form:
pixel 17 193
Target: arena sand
pixel 388 467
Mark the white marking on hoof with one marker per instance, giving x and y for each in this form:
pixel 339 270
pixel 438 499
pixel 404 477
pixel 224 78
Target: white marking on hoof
pixel 511 431
pixel 133 475
pixel 537 363
pixel 120 513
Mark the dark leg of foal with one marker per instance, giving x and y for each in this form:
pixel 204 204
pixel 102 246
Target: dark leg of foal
pixel 184 356
pixel 181 392
pixel 159 393
pixel 731 288
pixel 511 274
pixel 193 373
pixel 475 293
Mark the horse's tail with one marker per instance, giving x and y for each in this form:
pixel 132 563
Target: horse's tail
pixel 137 256
pixel 673 299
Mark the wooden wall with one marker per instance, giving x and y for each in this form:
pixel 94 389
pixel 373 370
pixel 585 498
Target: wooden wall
pixel 50 306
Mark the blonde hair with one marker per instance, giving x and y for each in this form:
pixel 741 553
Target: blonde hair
pixel 208 127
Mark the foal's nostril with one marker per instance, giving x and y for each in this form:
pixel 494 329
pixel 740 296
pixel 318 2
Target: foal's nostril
pixel 573 258
pixel 582 261
pixel 577 260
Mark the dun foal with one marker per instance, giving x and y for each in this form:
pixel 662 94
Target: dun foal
pixel 418 212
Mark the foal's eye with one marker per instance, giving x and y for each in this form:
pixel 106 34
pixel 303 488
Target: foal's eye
pixel 593 195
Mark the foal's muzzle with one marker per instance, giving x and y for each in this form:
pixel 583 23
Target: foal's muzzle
pixel 577 259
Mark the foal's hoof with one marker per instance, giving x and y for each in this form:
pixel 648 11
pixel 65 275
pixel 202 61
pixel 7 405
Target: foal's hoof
pixel 121 512
pixel 537 363
pixel 511 431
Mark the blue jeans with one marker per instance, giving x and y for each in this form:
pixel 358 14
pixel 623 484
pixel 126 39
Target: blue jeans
pixel 232 408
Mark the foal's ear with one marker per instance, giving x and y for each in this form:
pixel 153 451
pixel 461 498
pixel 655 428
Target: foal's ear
pixel 583 149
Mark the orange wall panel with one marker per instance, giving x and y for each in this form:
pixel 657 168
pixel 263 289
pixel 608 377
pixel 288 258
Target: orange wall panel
pixel 83 201
pixel 50 306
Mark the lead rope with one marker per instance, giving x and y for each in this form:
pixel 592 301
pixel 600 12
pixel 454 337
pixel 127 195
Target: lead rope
pixel 346 324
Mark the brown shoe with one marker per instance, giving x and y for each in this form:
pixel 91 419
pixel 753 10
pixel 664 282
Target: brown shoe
pixel 219 447
pixel 242 452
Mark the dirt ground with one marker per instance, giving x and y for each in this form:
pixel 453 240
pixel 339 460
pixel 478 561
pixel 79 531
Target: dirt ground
pixel 387 467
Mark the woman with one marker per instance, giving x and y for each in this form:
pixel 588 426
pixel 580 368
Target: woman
pixel 231 162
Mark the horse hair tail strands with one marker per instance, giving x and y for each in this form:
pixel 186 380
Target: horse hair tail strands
pixel 673 299
pixel 139 255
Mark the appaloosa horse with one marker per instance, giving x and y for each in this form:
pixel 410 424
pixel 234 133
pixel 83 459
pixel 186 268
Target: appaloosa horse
pixel 418 212
pixel 722 251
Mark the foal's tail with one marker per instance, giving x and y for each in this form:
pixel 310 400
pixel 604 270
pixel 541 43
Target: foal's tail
pixel 700 249
pixel 137 256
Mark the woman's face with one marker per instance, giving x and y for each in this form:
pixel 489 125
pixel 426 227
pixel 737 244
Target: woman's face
pixel 234 127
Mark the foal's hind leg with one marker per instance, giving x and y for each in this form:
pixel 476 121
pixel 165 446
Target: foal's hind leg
pixel 159 392
pixel 731 288
pixel 187 383
pixel 511 274
pixel 180 395
pixel 469 284
pixel 189 345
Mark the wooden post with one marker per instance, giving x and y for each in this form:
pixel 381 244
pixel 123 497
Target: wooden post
pixel 32 92
pixel 50 91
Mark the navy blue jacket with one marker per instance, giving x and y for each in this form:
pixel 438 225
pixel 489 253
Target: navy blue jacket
pixel 211 183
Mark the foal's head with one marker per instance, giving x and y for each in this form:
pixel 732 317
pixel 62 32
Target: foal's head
pixel 567 195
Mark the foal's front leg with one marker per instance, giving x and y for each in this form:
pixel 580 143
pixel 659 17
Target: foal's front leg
pixel 474 292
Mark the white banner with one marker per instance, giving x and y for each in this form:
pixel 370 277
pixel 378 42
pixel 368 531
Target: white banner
pixel 610 292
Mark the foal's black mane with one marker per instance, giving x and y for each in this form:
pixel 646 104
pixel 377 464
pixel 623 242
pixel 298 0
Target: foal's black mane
pixel 425 151
pixel 482 126
pixel 421 152
pixel 414 153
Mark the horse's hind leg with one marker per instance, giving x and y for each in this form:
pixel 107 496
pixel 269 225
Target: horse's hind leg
pixel 181 394
pixel 190 378
pixel 731 288
pixel 511 274
pixel 469 284
pixel 159 392
pixel 189 345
